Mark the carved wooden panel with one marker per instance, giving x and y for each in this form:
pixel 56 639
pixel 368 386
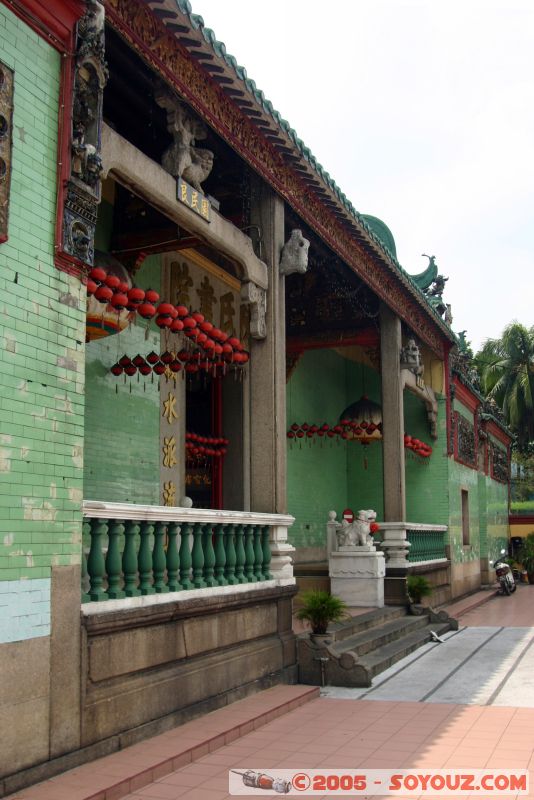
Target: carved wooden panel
pixel 466 440
pixel 6 143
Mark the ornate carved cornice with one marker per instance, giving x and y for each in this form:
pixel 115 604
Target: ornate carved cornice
pixel 149 36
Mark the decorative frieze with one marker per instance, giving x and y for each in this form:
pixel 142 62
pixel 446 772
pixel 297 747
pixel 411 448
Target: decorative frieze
pixel 465 432
pixel 6 143
pixel 83 187
pixel 499 463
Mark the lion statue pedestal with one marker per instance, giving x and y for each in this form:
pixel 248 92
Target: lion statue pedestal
pixel 355 566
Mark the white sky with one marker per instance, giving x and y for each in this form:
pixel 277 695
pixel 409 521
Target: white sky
pixel 423 113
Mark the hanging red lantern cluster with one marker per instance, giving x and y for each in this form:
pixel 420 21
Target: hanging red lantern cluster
pixel 198 448
pixel 417 446
pixel 312 432
pixel 215 348
pixel 364 432
pixel 185 360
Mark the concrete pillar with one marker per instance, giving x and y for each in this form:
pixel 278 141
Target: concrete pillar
pixel 267 366
pixel 392 417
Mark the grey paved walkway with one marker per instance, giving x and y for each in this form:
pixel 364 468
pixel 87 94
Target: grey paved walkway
pixel 467 703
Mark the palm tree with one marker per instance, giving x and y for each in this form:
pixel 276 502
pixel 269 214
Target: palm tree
pixel 506 366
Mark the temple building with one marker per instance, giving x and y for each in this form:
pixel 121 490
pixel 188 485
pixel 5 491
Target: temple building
pixel 205 350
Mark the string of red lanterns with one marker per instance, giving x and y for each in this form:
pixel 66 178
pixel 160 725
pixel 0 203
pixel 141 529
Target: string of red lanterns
pixel 198 447
pixel 417 446
pixel 216 349
pixel 349 431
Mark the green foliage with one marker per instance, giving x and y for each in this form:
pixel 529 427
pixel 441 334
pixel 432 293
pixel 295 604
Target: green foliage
pixel 418 587
pixel 319 608
pixel 523 481
pixel 525 554
pixel 506 366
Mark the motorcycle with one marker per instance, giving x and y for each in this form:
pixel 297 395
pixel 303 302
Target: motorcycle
pixel 504 575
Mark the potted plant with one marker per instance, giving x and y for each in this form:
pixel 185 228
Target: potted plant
pixel 417 587
pixel 525 555
pixel 319 608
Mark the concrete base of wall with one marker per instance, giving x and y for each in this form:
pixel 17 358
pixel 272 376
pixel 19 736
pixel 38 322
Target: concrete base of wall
pixel 147 670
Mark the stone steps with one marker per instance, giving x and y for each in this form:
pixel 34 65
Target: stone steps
pixel 379 636
pixel 364 646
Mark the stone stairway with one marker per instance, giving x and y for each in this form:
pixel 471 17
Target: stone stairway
pixel 356 650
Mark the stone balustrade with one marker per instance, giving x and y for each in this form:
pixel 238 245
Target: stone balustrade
pixel 406 543
pixel 137 551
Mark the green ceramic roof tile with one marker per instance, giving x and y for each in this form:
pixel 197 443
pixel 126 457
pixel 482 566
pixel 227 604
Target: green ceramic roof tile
pixel 219 49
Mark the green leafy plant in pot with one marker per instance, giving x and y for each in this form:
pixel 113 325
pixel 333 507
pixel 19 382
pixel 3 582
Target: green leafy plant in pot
pixel 525 556
pixel 417 587
pixel 320 608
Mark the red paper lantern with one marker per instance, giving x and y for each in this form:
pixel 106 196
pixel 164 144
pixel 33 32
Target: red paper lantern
pixel 163 321
pixel 182 311
pixel 146 310
pixel 166 357
pixel 104 294
pixel 113 282
pixel 190 323
pixel 116 370
pixel 130 371
pixel 138 360
pixel 145 369
pixel 92 286
pixel 177 325
pixel 124 361
pixel 166 310
pixel 175 366
pixel 198 317
pixel 158 368
pixel 152 358
pixel 119 301
pixel 151 296
pixel 136 295
pixel 98 275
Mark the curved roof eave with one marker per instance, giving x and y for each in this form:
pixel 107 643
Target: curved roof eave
pixel 234 81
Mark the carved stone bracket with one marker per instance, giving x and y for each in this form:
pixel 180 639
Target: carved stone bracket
pixel 294 256
pixel 256 298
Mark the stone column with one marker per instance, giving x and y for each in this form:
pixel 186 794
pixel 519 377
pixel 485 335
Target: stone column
pixel 393 438
pixel 267 362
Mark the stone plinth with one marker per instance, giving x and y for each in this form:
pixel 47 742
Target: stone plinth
pixel 357 575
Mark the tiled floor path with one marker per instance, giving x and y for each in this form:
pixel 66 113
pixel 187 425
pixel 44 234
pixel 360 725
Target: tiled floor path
pixel 323 732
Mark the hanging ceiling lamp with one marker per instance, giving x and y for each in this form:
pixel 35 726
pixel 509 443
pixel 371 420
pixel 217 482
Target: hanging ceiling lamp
pixel 362 421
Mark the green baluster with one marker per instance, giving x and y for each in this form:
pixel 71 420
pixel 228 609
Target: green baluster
pixel 158 558
pixel 144 559
pixel 173 559
pixel 266 552
pixel 230 553
pixel 113 560
pixel 95 563
pixel 258 554
pixel 240 554
pixel 85 576
pixel 197 556
pixel 249 554
pixel 209 556
pixel 220 556
pixel 129 559
pixel 185 556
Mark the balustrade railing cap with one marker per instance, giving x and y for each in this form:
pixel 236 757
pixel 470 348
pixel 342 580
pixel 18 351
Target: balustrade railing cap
pixel 130 511
pixel 412 526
